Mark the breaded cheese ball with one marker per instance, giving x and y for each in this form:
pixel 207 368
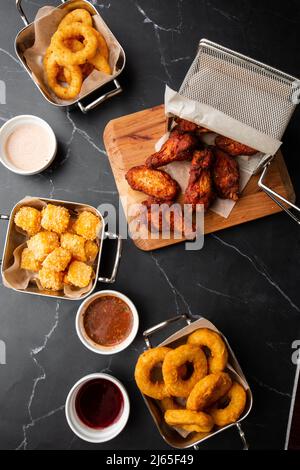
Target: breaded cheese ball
pixel 29 262
pixel 91 251
pixel 55 218
pixel 79 274
pixel 42 244
pixel 74 244
pixel 29 220
pixel 57 260
pixel 51 279
pixel 87 225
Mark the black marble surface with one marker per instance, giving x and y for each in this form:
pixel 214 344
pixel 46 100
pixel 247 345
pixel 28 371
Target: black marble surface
pixel 245 279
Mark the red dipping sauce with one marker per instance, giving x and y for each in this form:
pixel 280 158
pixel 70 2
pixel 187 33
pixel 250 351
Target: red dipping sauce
pixel 99 403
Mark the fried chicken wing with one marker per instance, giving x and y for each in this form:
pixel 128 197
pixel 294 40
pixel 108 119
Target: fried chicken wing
pixel 165 217
pixel 188 126
pixel 178 147
pixel 200 188
pixel 232 147
pixel 155 183
pixel 226 175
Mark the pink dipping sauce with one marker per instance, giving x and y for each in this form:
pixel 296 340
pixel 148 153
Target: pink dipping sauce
pixel 28 147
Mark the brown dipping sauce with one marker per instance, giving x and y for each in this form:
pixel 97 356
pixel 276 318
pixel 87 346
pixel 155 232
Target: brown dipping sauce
pixel 108 321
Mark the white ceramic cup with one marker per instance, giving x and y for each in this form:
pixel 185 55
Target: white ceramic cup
pixel 82 430
pixel 13 124
pixel 87 341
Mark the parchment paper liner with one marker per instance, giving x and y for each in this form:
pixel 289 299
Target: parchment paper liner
pixel 17 278
pixel 45 25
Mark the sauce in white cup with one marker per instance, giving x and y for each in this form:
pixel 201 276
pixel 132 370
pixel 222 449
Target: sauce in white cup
pixel 27 145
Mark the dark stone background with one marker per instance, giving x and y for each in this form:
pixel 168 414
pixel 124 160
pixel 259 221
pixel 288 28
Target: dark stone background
pixel 245 280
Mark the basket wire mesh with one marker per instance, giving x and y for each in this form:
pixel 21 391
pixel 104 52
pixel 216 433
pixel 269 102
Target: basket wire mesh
pixel 249 91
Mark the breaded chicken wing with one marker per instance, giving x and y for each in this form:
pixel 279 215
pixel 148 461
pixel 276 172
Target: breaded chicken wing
pixel 178 147
pixel 226 175
pixel 232 147
pixel 200 188
pixel 155 183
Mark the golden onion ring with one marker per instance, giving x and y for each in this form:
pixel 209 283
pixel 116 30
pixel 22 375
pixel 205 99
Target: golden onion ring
pixel 64 55
pixel 204 337
pixel 231 413
pixel 52 69
pixel 143 369
pixel 177 385
pixel 80 15
pixel 208 390
pixel 181 418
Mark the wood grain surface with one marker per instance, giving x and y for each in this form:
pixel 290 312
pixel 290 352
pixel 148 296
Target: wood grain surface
pixel 130 139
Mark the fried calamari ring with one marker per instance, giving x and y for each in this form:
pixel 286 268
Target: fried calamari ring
pixel 208 390
pixel 102 45
pixel 65 56
pixel 52 69
pixel 231 413
pixel 143 369
pixel 181 418
pixel 63 74
pixel 213 341
pixel 76 16
pixel 177 385
pixel 99 61
pixel 101 64
pixel 87 68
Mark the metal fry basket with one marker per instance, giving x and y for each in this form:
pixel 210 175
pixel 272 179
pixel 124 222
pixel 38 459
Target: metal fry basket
pixel 248 91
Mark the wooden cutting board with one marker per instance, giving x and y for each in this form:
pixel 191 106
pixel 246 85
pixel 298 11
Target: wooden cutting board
pixel 130 139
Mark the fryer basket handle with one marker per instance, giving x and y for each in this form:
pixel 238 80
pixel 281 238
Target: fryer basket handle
pixel 242 436
pixel 3 217
pixel 162 325
pixel 276 197
pixel 21 11
pixel 112 278
pixel 115 91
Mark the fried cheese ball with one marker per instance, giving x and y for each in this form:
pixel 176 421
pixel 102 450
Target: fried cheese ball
pixel 55 218
pixel 91 251
pixel 87 225
pixel 42 244
pixel 29 220
pixel 58 259
pixel 74 244
pixel 79 274
pixel 50 279
pixel 29 262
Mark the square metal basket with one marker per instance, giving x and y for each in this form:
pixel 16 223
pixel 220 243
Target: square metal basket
pixel 25 39
pixel 248 91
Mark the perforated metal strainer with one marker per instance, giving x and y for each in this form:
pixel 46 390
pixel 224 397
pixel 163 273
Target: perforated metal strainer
pixel 249 91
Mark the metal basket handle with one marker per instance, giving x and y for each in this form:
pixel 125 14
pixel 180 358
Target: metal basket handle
pixel 118 89
pixel 162 325
pixel 21 11
pixel 3 217
pixel 276 197
pixel 112 278
pixel 242 436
